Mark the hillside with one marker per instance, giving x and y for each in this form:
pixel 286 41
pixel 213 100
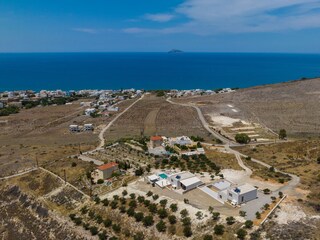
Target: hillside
pixel 293 106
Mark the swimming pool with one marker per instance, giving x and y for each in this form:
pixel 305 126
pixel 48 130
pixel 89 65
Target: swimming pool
pixel 163 175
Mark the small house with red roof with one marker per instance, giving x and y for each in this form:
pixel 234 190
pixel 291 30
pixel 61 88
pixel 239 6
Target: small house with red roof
pixel 156 141
pixel 105 171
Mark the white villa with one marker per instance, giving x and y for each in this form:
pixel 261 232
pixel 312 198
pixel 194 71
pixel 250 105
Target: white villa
pixel 183 140
pixel 183 181
pixel 74 128
pixel 224 191
pixel 89 111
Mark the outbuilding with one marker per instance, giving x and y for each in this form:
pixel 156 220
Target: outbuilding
pixel 242 194
pixel 190 183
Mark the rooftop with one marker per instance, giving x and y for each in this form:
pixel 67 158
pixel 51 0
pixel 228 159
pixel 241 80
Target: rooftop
pixel 156 138
pixel 243 188
pixel 190 181
pixel 107 166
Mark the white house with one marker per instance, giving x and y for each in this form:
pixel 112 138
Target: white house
pixel 112 109
pixel 88 127
pixel 183 140
pixel 74 128
pixel 242 194
pixel 224 191
pixel 89 111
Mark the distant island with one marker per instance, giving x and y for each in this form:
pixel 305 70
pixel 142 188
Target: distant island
pixel 175 51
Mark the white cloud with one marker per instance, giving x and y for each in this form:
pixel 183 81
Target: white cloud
pixel 161 17
pixel 93 30
pixel 207 17
pixel 86 30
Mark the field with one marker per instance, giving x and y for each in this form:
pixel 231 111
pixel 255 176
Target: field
pixel 154 115
pixel 292 106
pixel 42 133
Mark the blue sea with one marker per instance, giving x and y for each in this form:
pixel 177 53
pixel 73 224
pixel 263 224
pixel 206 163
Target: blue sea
pixel 74 71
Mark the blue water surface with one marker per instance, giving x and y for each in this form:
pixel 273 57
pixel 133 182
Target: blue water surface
pixel 73 71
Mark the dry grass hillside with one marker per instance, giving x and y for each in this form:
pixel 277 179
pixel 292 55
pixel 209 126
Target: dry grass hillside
pixel 293 106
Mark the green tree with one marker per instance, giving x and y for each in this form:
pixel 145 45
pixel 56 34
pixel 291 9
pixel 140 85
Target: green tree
pixel 218 229
pixel 187 231
pixel 242 138
pixel 248 224
pixel 230 220
pixel 162 213
pixel 258 215
pixel 215 216
pixel 207 237
pixel 282 134
pixel 184 213
pixel 138 236
pixel 174 207
pixel 148 221
pixel 161 226
pixel 138 216
pixel 116 228
pixel 93 230
pixel 241 233
pixel 107 222
pixel 172 219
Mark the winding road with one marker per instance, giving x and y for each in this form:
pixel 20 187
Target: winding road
pixel 295 180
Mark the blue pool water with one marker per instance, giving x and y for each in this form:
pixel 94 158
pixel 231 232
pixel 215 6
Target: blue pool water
pixel 163 176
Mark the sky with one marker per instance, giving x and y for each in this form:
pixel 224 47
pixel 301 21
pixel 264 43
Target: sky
pixel 289 26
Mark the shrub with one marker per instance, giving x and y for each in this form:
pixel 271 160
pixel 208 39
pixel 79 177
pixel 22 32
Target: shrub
pixel 140 199
pixel 149 194
pixel 105 202
pixel 161 226
pixel 258 215
pixel 248 224
pixel 138 236
pixel 155 197
pixel 116 228
pixel 199 215
pixel 73 164
pixel 218 229
pixel 163 202
pixel 97 200
pixel 107 223
pixel 280 194
pixel 172 219
pixel 242 138
pixel 230 220
pixel 124 193
pixel 174 207
pixel 241 233
pixel 148 221
pixel 133 203
pixel 138 216
pixel 132 196
pixel 184 213
pixel 162 213
pixel 207 237
pixel 93 230
pixel 153 208
pixel 215 216
pixel 187 231
pixel 282 134
pixel 266 191
pixel 114 204
pixel 131 212
pixel 242 213
pixel 186 221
